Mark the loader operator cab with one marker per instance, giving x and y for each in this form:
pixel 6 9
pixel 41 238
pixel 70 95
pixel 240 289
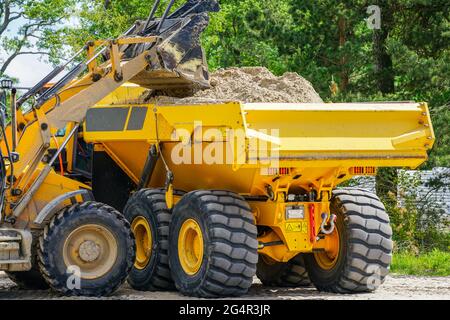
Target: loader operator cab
pixel 76 158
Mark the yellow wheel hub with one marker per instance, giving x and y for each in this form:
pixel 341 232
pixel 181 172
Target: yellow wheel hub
pixel 92 248
pixel 190 247
pixel 144 242
pixel 328 258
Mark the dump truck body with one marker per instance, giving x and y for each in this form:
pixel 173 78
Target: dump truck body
pixel 263 152
pixel 313 141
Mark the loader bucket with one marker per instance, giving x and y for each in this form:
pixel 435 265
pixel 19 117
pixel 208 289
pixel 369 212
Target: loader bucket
pixel 179 61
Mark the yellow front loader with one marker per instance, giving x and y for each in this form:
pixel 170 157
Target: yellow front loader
pixel 52 231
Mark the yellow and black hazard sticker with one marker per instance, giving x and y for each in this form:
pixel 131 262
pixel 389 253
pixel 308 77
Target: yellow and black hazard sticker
pixel 297 227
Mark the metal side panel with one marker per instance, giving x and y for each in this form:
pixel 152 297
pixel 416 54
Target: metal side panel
pixel 391 134
pixel 104 125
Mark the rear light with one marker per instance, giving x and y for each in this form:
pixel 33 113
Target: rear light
pixel 275 171
pixel 363 171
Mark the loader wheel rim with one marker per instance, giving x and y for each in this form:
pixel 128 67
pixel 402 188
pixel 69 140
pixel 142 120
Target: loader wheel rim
pixel 327 259
pixel 190 247
pixel 144 242
pixel 92 248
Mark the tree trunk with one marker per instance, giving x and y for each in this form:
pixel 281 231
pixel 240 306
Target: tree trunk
pixel 386 179
pixel 345 79
pixel 384 72
pixel 386 186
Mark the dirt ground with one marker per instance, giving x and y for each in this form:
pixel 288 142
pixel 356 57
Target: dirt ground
pixel 395 288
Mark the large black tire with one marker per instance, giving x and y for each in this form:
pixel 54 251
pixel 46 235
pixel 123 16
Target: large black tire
pixel 150 204
pixel 289 274
pixel 230 244
pixel 32 279
pixel 51 244
pixel 365 251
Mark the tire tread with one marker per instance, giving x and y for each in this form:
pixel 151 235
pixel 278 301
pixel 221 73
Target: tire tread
pixel 368 227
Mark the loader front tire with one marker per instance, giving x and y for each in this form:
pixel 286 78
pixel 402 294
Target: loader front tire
pixel 212 245
pixel 289 274
pixel 365 245
pixel 87 249
pixel 149 217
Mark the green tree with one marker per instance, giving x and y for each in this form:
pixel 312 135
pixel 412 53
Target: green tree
pixel 250 33
pixel 31 27
pixel 324 41
pixel 331 39
pixel 384 73
pixel 100 19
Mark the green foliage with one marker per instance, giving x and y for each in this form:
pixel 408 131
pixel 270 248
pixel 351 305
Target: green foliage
pixel 440 155
pixel 32 27
pixel 249 33
pixel 434 263
pixel 419 223
pixel 94 21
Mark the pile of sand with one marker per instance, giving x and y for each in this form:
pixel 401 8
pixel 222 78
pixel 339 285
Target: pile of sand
pixel 258 84
pixel 249 84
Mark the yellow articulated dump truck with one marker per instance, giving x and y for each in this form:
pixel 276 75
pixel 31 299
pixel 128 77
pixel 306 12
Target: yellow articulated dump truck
pixel 226 191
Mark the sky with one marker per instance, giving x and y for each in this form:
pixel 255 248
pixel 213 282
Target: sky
pixel 29 69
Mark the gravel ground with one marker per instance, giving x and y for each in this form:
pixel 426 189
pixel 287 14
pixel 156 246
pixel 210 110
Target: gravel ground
pixel 395 287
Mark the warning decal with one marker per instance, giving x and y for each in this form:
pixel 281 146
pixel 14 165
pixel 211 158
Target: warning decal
pixel 297 227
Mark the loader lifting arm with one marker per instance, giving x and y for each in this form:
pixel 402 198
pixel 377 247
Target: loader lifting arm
pixel 161 53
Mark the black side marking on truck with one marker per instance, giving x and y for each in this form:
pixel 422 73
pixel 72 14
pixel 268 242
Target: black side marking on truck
pixel 137 118
pixel 106 119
